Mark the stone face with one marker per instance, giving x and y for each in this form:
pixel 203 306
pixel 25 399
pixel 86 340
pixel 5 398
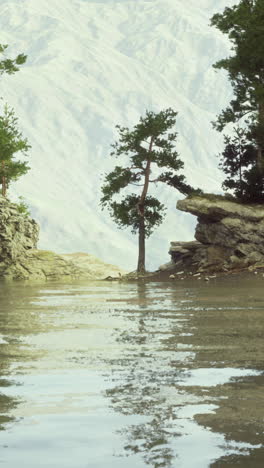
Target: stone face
pixel 231 231
pixel 18 234
pixel 229 234
pixel 20 258
pixel 43 265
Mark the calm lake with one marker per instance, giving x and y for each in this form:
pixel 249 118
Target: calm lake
pixel 101 374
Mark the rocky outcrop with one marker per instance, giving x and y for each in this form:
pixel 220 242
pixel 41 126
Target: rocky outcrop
pixel 20 258
pixel 43 265
pixel 18 234
pixel 92 267
pixel 229 235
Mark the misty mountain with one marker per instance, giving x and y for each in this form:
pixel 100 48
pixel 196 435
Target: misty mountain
pixel 95 64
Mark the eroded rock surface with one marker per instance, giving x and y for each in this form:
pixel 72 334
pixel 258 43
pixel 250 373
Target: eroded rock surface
pixel 20 258
pixel 229 235
pixel 93 267
pixel 18 234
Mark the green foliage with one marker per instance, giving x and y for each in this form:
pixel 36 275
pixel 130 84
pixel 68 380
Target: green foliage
pixel 12 170
pixel 132 143
pixel 116 180
pixel 11 140
pixel 125 213
pixel 243 24
pixel 11 143
pixel 22 207
pixel 254 187
pixel 238 163
pixel 148 145
pixel 10 66
pixel 148 142
pixel 178 181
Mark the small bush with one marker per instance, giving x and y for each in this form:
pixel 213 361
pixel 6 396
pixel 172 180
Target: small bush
pixel 22 207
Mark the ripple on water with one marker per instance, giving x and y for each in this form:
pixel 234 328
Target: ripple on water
pixel 149 373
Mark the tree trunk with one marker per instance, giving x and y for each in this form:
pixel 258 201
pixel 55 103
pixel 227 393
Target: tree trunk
pixel 141 212
pixel 260 151
pixel 3 179
pixel 141 246
pixel 240 168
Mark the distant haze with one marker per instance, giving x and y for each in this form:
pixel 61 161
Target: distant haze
pixel 92 65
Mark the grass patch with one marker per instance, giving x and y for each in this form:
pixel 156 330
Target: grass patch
pixel 215 197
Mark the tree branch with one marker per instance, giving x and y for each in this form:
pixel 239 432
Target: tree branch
pixel 155 180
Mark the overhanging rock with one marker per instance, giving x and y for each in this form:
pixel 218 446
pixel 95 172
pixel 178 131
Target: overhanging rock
pixel 229 235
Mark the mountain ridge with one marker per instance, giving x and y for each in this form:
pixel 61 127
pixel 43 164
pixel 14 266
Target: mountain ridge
pixel 92 65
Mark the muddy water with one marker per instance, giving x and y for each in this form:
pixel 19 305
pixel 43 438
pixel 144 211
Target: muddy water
pixel 132 375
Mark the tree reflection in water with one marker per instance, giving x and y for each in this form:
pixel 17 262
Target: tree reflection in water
pixel 7 403
pixel 145 349
pixel 145 371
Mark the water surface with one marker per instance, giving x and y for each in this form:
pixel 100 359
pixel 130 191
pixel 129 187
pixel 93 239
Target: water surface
pixel 101 374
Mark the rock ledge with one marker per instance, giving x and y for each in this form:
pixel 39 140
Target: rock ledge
pixel 229 236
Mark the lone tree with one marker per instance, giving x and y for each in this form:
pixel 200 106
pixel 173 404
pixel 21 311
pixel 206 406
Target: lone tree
pixel 147 147
pixel 11 143
pixel 10 66
pixel 243 23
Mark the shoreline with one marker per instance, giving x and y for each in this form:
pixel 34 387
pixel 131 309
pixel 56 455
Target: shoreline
pixel 176 277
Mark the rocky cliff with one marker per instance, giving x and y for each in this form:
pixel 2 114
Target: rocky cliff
pixel 20 258
pixel 18 234
pixel 229 235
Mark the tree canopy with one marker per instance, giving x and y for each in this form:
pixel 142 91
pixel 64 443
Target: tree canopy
pixel 8 65
pixel 11 143
pixel 11 140
pixel 243 23
pixel 238 163
pixel 147 149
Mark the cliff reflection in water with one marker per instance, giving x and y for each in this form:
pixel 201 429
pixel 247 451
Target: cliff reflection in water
pixel 17 320
pixel 188 352
pixel 7 404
